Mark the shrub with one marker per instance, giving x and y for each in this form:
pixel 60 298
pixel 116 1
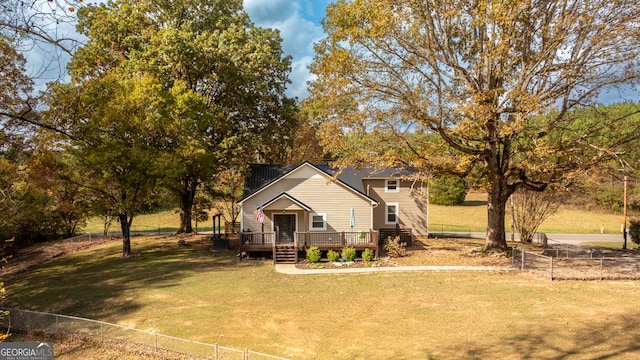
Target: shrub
pixel 367 255
pixel 349 253
pixel 634 231
pixel 394 247
pixel 448 190
pixel 333 256
pixel 313 254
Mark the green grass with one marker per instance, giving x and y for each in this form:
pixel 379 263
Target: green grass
pixel 610 246
pixel 472 216
pixel 192 293
pixel 163 221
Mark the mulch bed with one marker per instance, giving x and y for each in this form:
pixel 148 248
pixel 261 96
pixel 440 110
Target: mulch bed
pixel 358 263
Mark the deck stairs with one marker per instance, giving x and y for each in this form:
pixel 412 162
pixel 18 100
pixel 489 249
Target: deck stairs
pixel 285 253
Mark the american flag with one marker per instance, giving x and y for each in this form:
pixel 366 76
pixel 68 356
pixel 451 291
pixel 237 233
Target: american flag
pixel 260 216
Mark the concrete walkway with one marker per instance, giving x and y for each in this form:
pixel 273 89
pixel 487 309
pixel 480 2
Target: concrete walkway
pixel 291 269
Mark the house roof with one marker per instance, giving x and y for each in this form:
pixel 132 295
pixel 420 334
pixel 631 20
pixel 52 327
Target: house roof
pixel 263 175
pixel 293 200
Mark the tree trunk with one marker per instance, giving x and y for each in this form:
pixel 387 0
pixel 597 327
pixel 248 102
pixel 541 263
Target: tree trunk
pixel 125 225
pixel 186 206
pixel 498 195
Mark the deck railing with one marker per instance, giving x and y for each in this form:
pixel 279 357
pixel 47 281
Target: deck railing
pixel 362 239
pixel 257 238
pixel 337 239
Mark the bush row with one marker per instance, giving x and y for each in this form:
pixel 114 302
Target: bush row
pixel 348 253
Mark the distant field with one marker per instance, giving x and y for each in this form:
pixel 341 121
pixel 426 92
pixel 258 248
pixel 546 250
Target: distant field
pixel 165 221
pixel 472 216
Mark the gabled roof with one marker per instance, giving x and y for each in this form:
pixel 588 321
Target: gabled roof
pixel 284 195
pixel 263 175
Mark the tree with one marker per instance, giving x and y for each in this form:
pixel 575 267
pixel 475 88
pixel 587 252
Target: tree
pixel 481 74
pixel 16 102
pixel 40 25
pixel 212 48
pixel 530 209
pixel 69 201
pixel 116 125
pixel 634 231
pixel 448 190
pixel 226 189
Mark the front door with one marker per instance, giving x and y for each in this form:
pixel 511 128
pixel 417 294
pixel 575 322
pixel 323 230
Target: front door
pixel 285 225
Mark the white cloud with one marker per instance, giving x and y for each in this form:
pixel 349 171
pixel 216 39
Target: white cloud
pixel 263 13
pixel 300 72
pixel 297 32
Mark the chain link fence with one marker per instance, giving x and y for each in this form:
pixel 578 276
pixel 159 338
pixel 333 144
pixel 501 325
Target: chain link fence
pixel 576 264
pixel 33 321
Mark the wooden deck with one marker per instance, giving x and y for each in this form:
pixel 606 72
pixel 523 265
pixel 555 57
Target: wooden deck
pixel 265 241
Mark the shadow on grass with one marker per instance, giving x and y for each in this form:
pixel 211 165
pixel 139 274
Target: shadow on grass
pixel 474 203
pixel 97 281
pixel 582 339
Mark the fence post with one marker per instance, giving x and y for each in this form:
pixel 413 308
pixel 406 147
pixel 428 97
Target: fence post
pixel 522 264
pixel 601 265
pixel 217 352
pixel 513 257
pixel 551 268
pixel 101 334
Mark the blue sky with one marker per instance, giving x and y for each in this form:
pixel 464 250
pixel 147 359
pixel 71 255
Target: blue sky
pixel 299 25
pixel 297 20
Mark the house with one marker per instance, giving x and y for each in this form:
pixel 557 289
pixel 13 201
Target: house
pixel 288 208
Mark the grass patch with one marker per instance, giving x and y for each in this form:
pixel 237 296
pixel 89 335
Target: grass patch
pixel 161 221
pixel 192 293
pixel 611 245
pixel 472 216
pixel 469 217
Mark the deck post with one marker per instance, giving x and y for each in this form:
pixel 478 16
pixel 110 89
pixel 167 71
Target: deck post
pixel 373 239
pixel 273 249
pixel 295 245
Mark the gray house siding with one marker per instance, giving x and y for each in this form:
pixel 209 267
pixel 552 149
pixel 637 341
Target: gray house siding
pixel 317 191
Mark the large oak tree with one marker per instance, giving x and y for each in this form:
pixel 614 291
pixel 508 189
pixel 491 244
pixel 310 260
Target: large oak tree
pixel 210 47
pixel 480 74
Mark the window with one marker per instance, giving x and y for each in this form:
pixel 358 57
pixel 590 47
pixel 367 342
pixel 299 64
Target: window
pixel 392 186
pixel 391 213
pixel 319 222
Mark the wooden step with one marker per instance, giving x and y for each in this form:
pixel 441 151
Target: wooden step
pixel 285 254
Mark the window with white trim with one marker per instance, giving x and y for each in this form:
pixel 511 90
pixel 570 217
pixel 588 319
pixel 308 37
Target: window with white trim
pixel 391 185
pixel 318 222
pixel 391 213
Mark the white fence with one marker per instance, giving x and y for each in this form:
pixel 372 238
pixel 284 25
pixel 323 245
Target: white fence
pixel 33 321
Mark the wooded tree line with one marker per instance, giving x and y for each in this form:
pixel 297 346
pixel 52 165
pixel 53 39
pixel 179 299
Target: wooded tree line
pixel 168 99
pixel 165 100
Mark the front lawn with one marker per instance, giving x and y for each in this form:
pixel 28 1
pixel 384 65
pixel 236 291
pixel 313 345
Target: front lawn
pixel 190 292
